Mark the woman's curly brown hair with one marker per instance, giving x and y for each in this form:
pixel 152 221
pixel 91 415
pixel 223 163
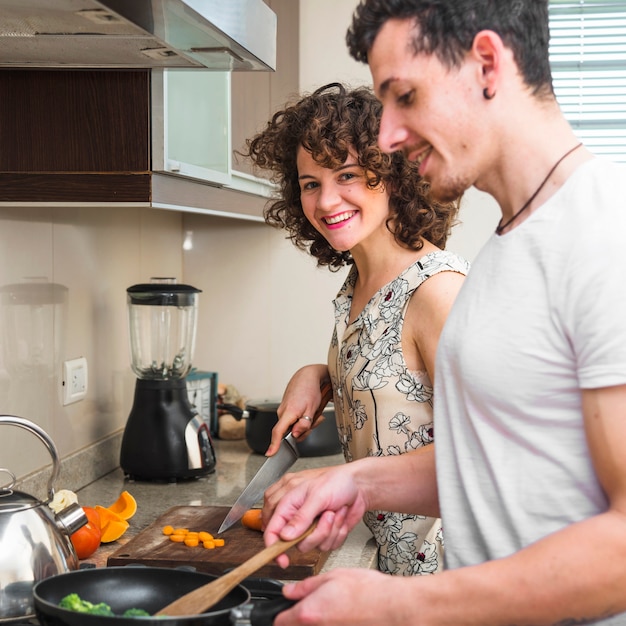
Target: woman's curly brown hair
pixel 329 123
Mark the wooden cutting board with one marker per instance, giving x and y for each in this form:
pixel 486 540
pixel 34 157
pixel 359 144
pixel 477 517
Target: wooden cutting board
pixel 152 547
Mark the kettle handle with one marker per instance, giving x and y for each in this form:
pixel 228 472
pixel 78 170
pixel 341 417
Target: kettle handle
pixel 43 436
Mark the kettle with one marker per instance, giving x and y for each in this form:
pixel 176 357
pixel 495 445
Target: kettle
pixel 34 541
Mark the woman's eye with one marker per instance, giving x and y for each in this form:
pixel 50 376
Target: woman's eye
pixel 310 185
pixel 347 176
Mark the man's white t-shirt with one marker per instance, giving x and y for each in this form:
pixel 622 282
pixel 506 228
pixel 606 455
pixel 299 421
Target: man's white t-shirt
pixel 541 315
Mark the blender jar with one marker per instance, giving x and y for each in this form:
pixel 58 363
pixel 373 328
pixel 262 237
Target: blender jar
pixel 162 325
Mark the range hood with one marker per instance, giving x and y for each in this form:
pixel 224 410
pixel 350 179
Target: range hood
pixel 221 35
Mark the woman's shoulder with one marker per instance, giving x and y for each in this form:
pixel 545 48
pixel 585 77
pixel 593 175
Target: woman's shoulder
pixel 439 261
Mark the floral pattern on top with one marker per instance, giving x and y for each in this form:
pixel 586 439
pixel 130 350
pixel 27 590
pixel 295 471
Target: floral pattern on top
pixel 382 408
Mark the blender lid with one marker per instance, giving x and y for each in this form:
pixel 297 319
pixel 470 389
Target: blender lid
pixel 162 294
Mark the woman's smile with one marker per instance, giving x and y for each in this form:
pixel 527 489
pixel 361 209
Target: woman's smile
pixel 336 221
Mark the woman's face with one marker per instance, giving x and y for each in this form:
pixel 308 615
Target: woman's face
pixel 339 204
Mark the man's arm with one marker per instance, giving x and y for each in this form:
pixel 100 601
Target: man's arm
pixel 404 483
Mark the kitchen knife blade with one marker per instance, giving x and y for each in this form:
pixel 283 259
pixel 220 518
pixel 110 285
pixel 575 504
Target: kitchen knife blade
pixel 272 469
pixel 270 472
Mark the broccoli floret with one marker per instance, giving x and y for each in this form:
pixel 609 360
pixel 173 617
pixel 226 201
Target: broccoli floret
pixel 73 602
pixel 101 609
pixel 136 613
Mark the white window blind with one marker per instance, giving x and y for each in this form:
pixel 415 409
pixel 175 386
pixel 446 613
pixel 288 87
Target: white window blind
pixel 588 59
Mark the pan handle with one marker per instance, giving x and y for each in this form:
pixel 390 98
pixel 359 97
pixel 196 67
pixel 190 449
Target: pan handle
pixel 259 613
pixel 237 412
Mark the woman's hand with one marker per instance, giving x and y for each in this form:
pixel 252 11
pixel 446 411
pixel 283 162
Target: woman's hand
pixel 299 405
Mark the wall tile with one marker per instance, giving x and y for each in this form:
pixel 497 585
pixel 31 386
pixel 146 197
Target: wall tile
pixel 92 255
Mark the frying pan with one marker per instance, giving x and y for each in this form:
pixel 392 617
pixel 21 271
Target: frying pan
pixel 148 588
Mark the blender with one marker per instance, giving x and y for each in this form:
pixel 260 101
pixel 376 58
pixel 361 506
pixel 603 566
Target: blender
pixel 164 437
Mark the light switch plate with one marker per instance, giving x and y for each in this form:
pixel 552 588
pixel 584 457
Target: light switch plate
pixel 75 380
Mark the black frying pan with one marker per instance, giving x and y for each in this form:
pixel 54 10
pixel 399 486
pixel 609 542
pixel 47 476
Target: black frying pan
pixel 148 588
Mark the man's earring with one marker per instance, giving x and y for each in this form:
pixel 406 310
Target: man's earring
pixel 486 95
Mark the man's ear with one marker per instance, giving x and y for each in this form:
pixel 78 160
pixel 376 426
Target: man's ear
pixel 487 51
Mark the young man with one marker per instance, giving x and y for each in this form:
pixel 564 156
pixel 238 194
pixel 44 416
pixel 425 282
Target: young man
pixel 530 391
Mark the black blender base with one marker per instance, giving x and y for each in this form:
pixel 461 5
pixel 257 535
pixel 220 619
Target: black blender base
pixel 169 479
pixel 165 439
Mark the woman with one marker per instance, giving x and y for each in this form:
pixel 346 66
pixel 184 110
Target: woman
pixel 348 203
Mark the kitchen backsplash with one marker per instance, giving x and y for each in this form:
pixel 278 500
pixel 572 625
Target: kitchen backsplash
pixel 264 310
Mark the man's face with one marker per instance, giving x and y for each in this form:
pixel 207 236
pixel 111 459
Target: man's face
pixel 426 109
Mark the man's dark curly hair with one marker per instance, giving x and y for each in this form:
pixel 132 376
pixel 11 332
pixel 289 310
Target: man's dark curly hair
pixel 329 123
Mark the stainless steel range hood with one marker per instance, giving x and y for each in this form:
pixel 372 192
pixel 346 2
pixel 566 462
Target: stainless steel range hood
pixel 222 35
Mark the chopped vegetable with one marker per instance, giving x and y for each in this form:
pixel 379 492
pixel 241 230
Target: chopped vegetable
pixel 111 524
pixel 135 613
pixel 86 540
pixel 192 538
pixel 125 506
pixel 252 519
pixel 73 602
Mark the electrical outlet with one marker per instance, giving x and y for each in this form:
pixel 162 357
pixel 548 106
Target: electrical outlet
pixel 75 380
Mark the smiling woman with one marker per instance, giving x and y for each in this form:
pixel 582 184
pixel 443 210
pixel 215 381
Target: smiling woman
pixel 350 204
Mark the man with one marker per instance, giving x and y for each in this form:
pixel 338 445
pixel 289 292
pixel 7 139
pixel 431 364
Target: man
pixel 530 384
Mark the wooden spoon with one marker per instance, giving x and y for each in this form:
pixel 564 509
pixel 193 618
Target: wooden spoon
pixel 203 598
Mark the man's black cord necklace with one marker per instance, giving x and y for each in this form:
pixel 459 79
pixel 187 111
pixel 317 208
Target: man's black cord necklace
pixel 500 228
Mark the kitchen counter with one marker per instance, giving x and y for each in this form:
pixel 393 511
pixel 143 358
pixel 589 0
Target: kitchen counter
pixel 235 467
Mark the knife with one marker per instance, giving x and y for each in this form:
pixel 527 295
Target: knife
pixel 275 467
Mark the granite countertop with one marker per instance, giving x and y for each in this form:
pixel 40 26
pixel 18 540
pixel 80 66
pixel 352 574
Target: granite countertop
pixel 235 467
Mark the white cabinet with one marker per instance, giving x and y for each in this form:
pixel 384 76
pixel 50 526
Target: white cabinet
pixel 198 123
pixel 192 129
pixel 201 118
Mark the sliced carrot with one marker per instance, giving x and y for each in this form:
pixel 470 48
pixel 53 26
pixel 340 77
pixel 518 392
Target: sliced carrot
pixel 193 538
pixel 252 519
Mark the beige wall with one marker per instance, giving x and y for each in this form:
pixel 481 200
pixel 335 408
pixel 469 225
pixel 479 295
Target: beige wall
pixel 92 255
pixel 265 308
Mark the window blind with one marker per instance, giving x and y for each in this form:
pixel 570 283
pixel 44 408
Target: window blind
pixel 588 60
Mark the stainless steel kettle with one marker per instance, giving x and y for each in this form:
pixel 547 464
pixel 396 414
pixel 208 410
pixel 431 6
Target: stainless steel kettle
pixel 34 541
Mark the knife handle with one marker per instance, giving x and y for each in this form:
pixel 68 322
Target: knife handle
pixel 327 395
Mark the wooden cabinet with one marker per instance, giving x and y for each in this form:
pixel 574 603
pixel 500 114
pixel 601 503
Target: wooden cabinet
pixel 255 97
pixel 61 131
pixel 99 136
